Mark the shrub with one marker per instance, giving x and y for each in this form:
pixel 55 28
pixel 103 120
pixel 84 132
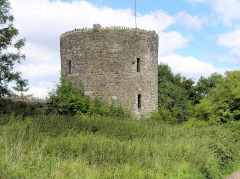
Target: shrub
pixel 223 105
pixel 70 100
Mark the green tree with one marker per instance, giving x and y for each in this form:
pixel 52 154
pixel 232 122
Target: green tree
pixel 8 58
pixel 174 94
pixel 188 85
pixel 223 103
pixel 205 85
pixel 21 88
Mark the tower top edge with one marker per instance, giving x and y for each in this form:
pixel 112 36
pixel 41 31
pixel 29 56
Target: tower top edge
pixel 98 27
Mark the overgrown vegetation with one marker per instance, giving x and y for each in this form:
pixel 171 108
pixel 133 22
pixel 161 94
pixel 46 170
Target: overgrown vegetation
pixel 223 105
pixel 69 100
pixel 214 99
pixel 195 133
pixel 58 146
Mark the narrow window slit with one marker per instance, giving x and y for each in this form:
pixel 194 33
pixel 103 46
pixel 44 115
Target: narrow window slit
pixel 138 64
pixel 69 67
pixel 139 101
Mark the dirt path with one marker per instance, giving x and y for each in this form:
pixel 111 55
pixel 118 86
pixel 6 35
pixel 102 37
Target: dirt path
pixel 235 175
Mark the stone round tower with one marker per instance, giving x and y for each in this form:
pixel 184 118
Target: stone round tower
pixel 116 64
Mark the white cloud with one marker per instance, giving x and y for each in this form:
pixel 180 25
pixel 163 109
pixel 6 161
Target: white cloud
pixel 45 21
pixel 226 58
pixel 40 71
pixel 41 53
pixel 170 41
pixel 160 18
pixel 189 66
pixel 42 63
pixel 226 10
pixel 231 41
pixel 41 89
pixel 189 20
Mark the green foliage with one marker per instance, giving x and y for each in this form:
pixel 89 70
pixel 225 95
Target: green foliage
pixel 179 97
pixel 223 104
pixel 205 85
pixel 57 146
pixel 7 58
pixel 97 107
pixel 21 87
pixel 67 99
pixel 174 95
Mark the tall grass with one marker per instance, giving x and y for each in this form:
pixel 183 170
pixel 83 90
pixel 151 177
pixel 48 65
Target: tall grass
pixel 57 146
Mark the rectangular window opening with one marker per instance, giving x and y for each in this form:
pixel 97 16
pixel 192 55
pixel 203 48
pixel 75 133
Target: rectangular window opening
pixel 138 64
pixel 139 101
pixel 69 67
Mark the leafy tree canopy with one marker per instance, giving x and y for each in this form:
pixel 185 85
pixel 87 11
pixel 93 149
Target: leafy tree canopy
pixel 8 58
pixel 205 85
pixel 223 104
pixel 174 93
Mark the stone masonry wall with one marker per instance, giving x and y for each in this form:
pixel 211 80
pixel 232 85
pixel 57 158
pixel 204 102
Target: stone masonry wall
pixel 104 62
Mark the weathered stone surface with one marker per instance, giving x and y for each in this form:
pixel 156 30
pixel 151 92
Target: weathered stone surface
pixel 104 63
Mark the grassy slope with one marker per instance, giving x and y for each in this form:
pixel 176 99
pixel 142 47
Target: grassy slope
pixel 73 147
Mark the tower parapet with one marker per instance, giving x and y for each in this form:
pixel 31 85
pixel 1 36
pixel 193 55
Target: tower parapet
pixel 98 27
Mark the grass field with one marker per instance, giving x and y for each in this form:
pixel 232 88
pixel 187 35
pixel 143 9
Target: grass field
pixel 57 146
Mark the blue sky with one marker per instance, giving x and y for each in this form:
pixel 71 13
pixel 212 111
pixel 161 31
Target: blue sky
pixel 196 37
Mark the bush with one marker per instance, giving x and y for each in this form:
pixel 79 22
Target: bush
pixel 70 100
pixel 163 115
pixel 223 105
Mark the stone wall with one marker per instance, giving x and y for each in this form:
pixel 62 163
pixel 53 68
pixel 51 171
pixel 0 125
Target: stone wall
pixel 104 62
pixel 24 107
